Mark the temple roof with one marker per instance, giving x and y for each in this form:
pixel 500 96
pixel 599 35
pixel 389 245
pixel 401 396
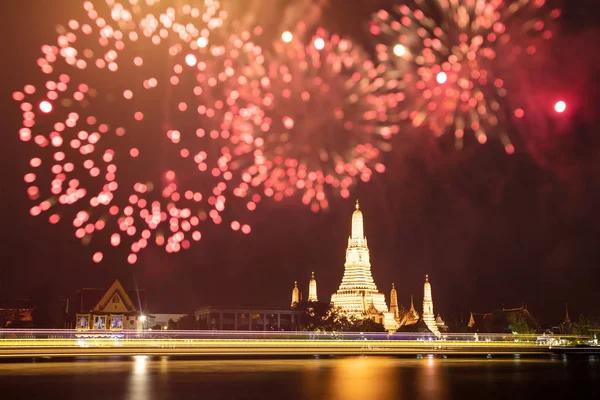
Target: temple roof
pixel 88 299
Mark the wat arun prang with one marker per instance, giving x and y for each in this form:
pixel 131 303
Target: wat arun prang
pixel 358 296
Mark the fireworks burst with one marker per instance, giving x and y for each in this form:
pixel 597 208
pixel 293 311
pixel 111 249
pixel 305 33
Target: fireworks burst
pixel 99 116
pixel 310 117
pixel 456 60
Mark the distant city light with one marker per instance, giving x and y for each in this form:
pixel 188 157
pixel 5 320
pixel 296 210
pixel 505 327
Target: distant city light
pixel 191 60
pixel 399 50
pixel 441 78
pixel 45 107
pixel 560 106
pixel 287 36
pixel 319 44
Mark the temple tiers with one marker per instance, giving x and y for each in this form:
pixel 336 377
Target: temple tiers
pixel 358 292
pixel 428 315
pixel 312 289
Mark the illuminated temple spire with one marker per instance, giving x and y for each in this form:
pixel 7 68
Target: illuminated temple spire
pixel 428 315
pixel 312 289
pixel 394 303
pixel 357 224
pixel 295 295
pixel 358 290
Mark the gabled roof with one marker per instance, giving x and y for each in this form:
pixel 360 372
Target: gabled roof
pixel 89 300
pixel 117 291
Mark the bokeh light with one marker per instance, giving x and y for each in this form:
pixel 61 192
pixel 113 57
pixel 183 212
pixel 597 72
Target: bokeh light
pixel 319 43
pixel 560 106
pixel 458 61
pixel 287 36
pixel 191 60
pixel 45 106
pixel 441 77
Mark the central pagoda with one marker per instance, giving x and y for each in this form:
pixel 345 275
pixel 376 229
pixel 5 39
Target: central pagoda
pixel 358 295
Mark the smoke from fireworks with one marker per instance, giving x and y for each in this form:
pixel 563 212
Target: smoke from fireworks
pixel 456 60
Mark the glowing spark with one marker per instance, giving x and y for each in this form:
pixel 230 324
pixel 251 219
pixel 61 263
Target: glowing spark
pixel 319 43
pixel 471 47
pixel 45 107
pixel 441 78
pixel 191 60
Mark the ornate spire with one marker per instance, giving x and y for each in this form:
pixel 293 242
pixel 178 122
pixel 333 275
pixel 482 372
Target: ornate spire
pixel 358 290
pixel 357 224
pixel 295 295
pixel 394 302
pixel 428 315
pixel 312 289
pixel 567 319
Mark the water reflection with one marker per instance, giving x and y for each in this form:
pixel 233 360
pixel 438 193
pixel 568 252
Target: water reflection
pixel 430 379
pixel 351 378
pixel 363 378
pixel 139 379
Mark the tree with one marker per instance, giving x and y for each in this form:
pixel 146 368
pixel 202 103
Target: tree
pixel 317 316
pixel 584 326
pixel 324 317
pixel 367 325
pixel 518 324
pixel 185 323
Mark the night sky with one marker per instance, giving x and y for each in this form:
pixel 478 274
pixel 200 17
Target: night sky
pixel 490 229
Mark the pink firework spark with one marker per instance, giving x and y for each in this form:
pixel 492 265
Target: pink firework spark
pixel 457 61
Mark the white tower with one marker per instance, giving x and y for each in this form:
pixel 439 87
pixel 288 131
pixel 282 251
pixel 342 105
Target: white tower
pixel 358 290
pixel 428 315
pixel 295 295
pixel 394 303
pixel 312 289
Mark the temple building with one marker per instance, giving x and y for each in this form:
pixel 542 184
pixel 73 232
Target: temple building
pixel 428 315
pixel 411 317
pixel 500 320
pixel 357 295
pixel 114 309
pixel 439 322
pixel 295 295
pixel 312 289
pixel 247 318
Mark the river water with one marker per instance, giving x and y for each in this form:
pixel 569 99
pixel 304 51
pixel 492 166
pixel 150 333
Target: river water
pixel 351 378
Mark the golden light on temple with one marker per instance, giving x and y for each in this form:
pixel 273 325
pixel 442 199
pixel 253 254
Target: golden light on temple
pixel 358 295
